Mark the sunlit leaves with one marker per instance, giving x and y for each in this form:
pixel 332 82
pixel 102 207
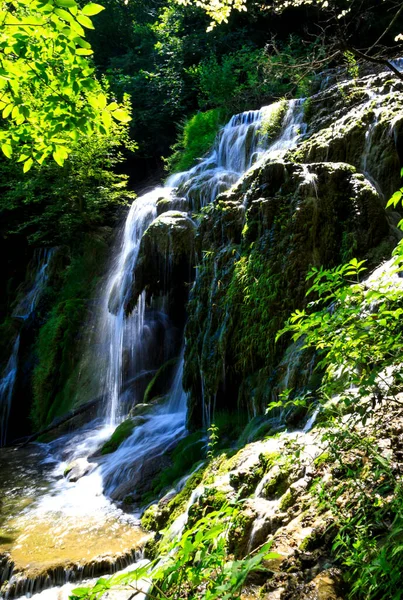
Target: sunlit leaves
pixel 197 562
pixel 48 87
pixel 220 10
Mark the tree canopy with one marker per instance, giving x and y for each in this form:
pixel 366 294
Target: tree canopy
pixel 49 95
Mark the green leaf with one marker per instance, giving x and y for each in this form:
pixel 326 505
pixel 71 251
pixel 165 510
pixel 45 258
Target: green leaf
pixel 7 149
pixel 107 119
pixel 27 165
pixel 81 592
pixel 7 110
pixel 121 115
pixel 84 51
pixel 85 21
pixel 92 9
pixel 102 100
pixel 66 3
pixel 60 154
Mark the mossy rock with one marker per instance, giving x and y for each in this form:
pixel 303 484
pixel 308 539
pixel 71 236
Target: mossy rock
pixel 245 481
pixel 178 504
pixel 212 499
pixel 121 433
pixel 161 382
pixel 154 517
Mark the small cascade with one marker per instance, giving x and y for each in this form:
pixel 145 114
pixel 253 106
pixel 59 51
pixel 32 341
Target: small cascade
pixel 120 338
pixel 293 129
pixel 240 144
pixel 6 390
pixel 19 585
pixel 138 456
pixel 24 309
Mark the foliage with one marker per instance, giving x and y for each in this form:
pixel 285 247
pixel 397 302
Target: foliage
pixel 354 326
pixel 195 139
pixel 272 120
pixel 236 81
pixel 52 205
pixel 213 437
pixel 49 95
pixel 365 499
pixel 259 290
pixel 219 10
pixel 195 565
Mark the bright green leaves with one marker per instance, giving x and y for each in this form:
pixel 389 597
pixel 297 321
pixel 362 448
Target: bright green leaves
pixel 85 21
pixel 197 561
pixel 7 150
pixel 121 115
pixel 47 84
pixel 395 199
pixel 92 9
pixel 355 328
pixel 28 164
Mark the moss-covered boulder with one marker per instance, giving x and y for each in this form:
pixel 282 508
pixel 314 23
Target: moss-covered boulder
pixel 161 382
pixel 121 433
pixel 172 203
pixel 165 263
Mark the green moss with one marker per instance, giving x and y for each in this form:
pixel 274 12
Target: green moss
pixel 121 433
pixel 188 453
pixel 178 504
pixel 272 120
pixel 212 499
pixel 245 482
pixel 151 517
pixel 160 383
pixel 322 459
pixel 56 375
pixel 195 140
pixel 286 500
pixel 258 428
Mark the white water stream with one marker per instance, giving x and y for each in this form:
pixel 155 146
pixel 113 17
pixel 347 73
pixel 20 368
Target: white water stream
pixel 23 311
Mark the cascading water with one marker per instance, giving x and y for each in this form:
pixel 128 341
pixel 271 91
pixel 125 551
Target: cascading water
pixel 24 309
pixel 6 390
pixel 240 144
pixel 121 336
pixel 138 455
pixel 125 348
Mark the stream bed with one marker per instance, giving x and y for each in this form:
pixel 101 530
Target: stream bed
pixel 54 531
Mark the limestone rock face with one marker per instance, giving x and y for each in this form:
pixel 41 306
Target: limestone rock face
pixel 262 237
pixel 166 260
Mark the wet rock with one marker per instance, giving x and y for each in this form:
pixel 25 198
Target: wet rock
pixel 165 263
pixel 325 586
pixel 121 433
pixel 162 381
pixel 261 238
pixel 78 468
pixel 174 203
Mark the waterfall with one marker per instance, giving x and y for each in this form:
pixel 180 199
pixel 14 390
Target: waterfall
pixel 239 145
pixel 24 309
pixel 158 434
pixel 27 305
pixel 121 337
pixel 124 349
pixel 6 390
